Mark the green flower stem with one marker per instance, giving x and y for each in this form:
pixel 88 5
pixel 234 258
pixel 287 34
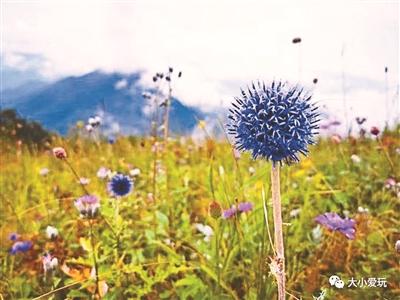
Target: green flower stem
pixel 96 268
pixel 91 234
pixel 76 176
pixel 217 242
pixel 117 226
pixel 278 231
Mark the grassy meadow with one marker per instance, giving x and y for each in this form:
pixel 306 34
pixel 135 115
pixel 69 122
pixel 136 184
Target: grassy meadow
pixel 160 241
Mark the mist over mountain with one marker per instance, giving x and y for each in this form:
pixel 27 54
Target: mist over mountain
pixel 59 105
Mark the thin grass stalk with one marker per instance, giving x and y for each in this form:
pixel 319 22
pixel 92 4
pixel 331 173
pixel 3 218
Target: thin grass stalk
pixel 154 177
pixel 167 108
pixel 217 245
pixel 387 156
pixel 76 176
pixel 344 93
pixel 155 123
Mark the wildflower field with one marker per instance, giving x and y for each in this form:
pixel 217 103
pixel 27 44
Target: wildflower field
pixel 139 219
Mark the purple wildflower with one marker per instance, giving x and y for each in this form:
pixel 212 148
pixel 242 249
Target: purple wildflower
pixel 49 262
pixel 13 236
pixel 334 222
pixel 245 206
pixel 229 213
pixel 88 206
pixel 20 246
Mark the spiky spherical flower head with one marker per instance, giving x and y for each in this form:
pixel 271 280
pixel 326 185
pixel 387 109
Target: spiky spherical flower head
pixel 120 185
pixel 275 122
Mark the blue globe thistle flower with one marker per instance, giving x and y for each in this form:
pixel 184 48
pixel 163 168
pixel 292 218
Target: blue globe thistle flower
pixel 275 122
pixel 120 185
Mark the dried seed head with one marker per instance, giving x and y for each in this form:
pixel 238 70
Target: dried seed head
pixel 296 40
pixel 375 130
pixel 215 210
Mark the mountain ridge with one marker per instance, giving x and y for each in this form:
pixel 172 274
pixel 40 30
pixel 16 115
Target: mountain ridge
pixel 60 104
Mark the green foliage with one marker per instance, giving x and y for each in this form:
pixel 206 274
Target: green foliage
pixel 14 128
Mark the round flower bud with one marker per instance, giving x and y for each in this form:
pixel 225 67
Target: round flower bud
pixel 215 210
pixel 59 152
pixel 374 130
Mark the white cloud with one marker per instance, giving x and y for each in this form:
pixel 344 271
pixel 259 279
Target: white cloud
pixel 121 84
pixel 219 45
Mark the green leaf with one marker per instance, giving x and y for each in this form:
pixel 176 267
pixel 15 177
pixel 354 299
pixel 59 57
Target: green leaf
pixel 85 244
pixel 162 218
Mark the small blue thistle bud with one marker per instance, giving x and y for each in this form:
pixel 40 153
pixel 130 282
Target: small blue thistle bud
pixel 275 122
pixel 120 185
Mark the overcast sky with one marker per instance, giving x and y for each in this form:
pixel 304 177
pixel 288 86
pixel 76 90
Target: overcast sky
pixel 219 45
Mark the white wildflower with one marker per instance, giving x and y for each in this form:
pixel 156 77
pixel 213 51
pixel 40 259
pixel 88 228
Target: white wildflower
pixel 206 230
pixel 44 171
pixel 356 159
pixel 134 172
pixel 51 232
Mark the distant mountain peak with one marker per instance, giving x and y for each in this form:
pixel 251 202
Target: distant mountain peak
pixel 60 104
